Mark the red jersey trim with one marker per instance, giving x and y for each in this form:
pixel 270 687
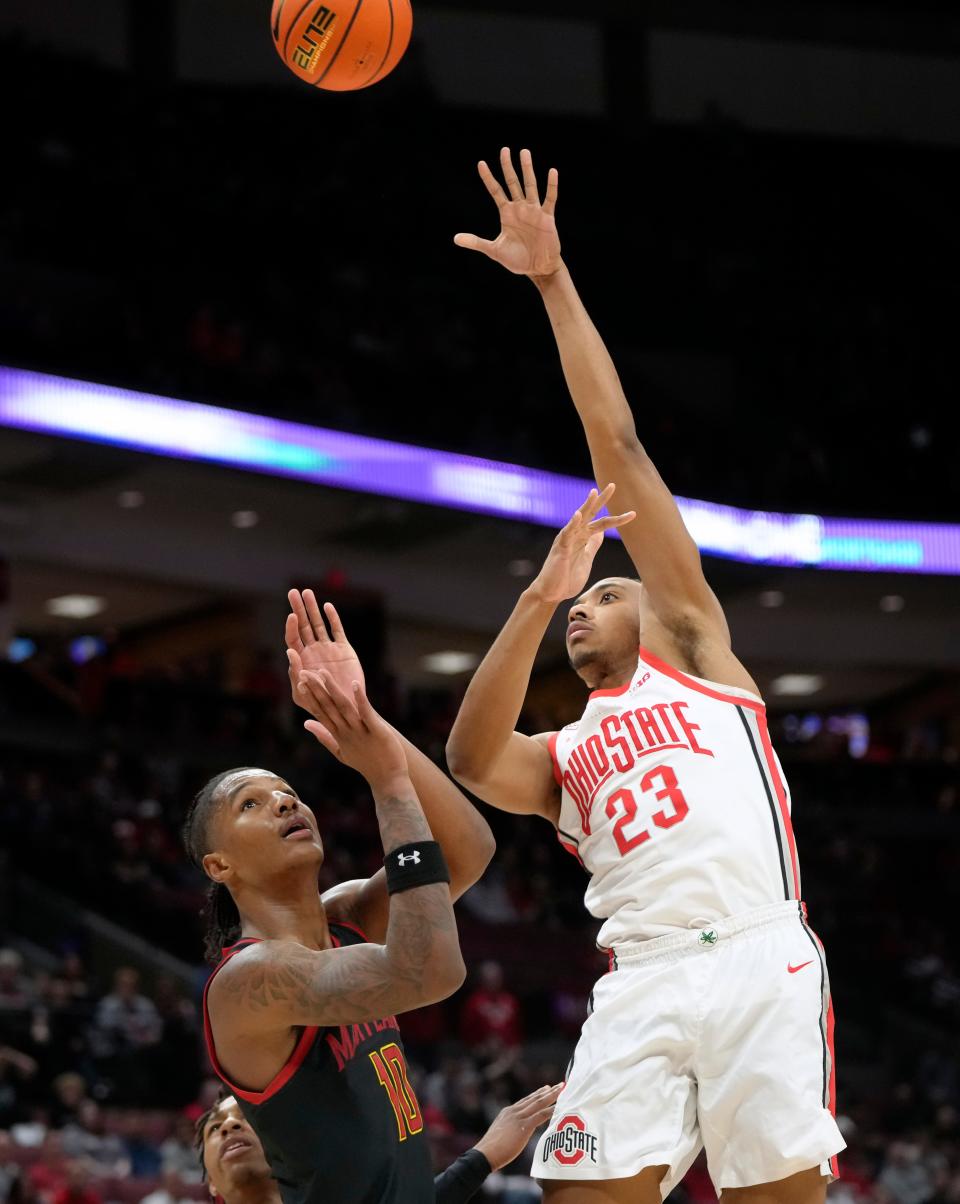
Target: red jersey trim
pixel 352 927
pixel 615 692
pixel 831 1023
pixel 571 848
pixel 300 1050
pixel 781 798
pixel 552 748
pixel 833 1060
pixel 692 683
pixel 286 1071
pixel 835 1160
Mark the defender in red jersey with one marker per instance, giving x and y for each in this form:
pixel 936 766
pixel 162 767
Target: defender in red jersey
pixel 714 1028
pixel 237 1172
pixel 299 1013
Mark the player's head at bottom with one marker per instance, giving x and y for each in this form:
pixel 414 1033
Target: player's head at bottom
pixel 234 1164
pixel 603 629
pixel 256 840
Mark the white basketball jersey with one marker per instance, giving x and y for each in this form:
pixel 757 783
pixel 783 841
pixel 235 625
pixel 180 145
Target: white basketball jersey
pixel 675 803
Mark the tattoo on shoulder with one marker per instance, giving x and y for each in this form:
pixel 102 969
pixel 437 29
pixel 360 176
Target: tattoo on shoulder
pixel 354 983
pixel 260 984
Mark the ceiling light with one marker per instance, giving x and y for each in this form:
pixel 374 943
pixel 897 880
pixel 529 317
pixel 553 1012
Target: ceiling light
pixel 449 662
pixel 130 499
pixel 244 519
pixel 85 647
pixel 920 437
pixel 75 606
pixel 891 604
pixel 20 649
pixel 797 684
pixel 772 598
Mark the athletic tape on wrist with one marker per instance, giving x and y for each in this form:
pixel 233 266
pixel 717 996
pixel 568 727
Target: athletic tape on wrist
pixel 418 864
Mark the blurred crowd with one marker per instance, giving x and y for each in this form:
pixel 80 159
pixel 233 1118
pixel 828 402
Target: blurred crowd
pixel 101 1068
pixel 100 1094
pixel 86 1118
pixel 761 292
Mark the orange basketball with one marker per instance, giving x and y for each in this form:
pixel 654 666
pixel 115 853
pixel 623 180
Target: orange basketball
pixel 341 45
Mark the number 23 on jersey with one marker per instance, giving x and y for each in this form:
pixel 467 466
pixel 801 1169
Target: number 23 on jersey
pixel 622 805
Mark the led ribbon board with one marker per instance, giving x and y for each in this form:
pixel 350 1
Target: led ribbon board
pixel 76 409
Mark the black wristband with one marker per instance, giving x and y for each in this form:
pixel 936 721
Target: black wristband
pixel 418 864
pixel 461 1181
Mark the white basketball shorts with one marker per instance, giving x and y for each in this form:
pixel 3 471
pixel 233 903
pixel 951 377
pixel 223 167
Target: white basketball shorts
pixel 718 1038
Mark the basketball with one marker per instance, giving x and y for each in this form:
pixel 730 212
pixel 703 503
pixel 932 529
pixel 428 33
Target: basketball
pixel 341 45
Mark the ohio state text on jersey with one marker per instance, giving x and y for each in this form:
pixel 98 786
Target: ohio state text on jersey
pixel 674 801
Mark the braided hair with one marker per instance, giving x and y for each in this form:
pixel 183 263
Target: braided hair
pixel 223 918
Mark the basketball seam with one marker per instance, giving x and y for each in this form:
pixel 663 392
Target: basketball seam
pixel 343 42
pixel 286 40
pixel 275 26
pixel 386 53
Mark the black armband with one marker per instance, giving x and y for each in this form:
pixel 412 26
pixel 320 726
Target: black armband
pixel 418 864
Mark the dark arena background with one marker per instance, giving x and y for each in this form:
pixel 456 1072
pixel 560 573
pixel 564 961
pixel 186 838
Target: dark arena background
pixel 760 205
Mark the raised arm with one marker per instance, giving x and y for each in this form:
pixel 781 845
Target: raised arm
pixel 659 544
pixel 457 825
pixel 502 766
pixel 276 985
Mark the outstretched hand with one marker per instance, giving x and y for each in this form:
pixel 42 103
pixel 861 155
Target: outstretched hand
pixel 349 727
pixel 568 563
pixel 528 243
pixel 309 646
pixel 513 1127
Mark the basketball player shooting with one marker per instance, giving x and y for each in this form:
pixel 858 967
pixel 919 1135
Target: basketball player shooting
pixel 714 1026
pixel 300 1012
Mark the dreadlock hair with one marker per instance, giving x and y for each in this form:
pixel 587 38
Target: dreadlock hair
pixel 222 916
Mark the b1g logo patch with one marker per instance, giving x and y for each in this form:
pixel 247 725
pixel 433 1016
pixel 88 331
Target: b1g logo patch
pixel 570 1143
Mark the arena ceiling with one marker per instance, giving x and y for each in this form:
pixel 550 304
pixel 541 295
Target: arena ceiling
pixel 449 578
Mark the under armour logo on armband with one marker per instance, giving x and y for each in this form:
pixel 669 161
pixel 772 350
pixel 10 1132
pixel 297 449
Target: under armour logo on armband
pixel 403 858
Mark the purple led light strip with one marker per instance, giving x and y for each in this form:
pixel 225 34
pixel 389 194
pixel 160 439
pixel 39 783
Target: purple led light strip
pixel 76 409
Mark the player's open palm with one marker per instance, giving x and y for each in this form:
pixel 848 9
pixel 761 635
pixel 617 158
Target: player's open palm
pixel 528 243
pixel 310 646
pixel 514 1125
pixel 349 727
pixel 569 561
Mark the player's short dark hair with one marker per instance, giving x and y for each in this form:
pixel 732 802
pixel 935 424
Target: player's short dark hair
pixel 200 1128
pixel 223 918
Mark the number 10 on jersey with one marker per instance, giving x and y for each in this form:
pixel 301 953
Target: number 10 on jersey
pixel 662 782
pixel 390 1067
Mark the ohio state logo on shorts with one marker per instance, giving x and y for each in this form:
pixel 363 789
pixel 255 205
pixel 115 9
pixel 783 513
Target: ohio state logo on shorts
pixel 570 1142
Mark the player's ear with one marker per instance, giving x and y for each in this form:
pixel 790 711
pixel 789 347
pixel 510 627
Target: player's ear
pixel 217 867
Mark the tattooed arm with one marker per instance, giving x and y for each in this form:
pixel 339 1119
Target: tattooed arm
pixel 456 824
pixel 279 984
